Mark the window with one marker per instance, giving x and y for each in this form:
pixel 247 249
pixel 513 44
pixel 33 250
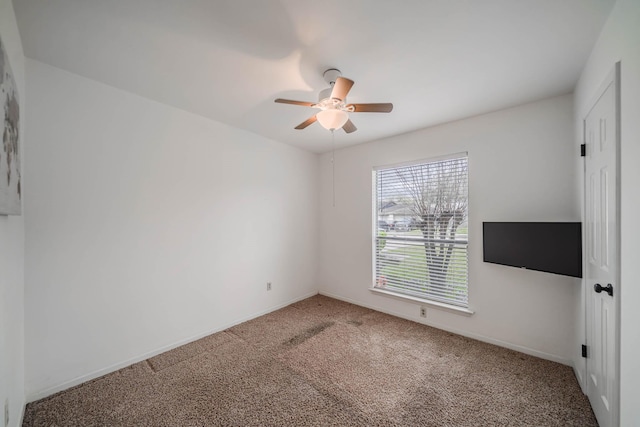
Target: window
pixel 421 231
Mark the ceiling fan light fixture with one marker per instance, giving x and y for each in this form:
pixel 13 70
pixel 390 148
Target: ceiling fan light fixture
pixel 332 119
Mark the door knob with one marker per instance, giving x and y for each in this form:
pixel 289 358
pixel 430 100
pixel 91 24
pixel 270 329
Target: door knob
pixel 608 289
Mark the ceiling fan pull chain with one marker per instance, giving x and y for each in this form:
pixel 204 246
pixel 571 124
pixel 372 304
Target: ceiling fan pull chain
pixel 333 167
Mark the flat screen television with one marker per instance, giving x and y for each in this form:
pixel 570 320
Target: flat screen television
pixel 553 247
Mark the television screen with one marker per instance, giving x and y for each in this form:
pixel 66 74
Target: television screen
pixel 554 247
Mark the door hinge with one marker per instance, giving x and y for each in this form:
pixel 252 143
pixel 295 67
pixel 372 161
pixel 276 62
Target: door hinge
pixel 583 150
pixel 584 350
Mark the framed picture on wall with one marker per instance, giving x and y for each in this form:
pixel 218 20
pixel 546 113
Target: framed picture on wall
pixel 10 179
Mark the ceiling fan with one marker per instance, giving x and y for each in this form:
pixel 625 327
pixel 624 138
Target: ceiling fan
pixel 332 102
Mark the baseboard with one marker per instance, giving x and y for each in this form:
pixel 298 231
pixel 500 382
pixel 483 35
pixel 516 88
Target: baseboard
pixel 483 338
pixel 22 409
pixel 104 371
pixel 578 373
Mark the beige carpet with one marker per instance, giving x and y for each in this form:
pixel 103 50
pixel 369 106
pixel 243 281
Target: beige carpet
pixel 325 362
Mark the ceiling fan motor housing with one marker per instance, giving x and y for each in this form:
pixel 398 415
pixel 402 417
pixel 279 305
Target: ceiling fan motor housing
pixel 325 93
pixel 330 76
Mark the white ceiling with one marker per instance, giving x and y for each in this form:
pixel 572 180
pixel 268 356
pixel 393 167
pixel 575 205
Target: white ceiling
pixel 436 60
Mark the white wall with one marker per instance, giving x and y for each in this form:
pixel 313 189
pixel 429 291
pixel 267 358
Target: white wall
pixel 147 226
pixel 521 168
pixel 12 252
pixel 620 41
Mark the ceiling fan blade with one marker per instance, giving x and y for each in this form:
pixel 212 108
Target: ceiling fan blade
pixel 371 108
pixel 307 122
pixel 341 88
pixel 292 102
pixel 349 127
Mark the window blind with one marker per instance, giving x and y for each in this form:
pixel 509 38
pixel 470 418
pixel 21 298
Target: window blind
pixel 421 232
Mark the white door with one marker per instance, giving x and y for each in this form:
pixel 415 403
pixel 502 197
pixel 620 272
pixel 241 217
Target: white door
pixel 602 242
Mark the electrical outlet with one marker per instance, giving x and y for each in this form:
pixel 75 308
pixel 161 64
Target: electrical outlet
pixel 268 286
pixel 6 412
pixel 423 311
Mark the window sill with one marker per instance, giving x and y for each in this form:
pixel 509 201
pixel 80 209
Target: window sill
pixel 447 307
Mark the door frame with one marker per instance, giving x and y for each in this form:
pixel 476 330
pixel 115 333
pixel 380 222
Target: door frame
pixel 612 77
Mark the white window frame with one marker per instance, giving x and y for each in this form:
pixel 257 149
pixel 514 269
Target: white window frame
pixel 423 299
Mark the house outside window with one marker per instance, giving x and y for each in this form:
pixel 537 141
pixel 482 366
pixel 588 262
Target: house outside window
pixel 421 230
